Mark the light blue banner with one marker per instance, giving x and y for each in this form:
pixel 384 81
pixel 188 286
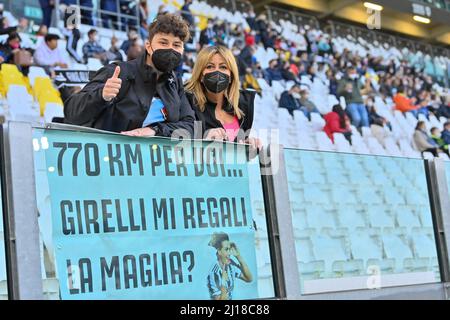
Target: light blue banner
pixel 136 218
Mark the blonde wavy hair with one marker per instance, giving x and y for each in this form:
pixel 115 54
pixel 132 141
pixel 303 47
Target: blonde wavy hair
pixel 195 86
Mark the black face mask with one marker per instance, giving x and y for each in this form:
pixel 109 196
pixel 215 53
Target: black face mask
pixel 166 60
pixel 216 81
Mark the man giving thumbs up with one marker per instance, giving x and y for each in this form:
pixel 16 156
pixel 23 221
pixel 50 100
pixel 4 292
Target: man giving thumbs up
pixel 112 86
pixel 141 97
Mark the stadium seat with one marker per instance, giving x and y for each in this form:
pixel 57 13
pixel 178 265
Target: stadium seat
pixel 424 214
pixel 318 218
pixel 369 196
pixel 349 218
pixel 36 72
pixel 392 196
pixel 10 75
pixel 359 177
pixel 324 142
pixel 336 177
pixel 392 147
pixel 53 110
pixel 341 195
pixel 423 243
pixel 21 104
pixel 94 64
pixel 316 196
pixel 416 198
pixel 317 121
pixel 396 247
pixel 311 176
pixel 332 252
pixel 406 218
pixel 341 143
pixel 378 217
pixel 369 249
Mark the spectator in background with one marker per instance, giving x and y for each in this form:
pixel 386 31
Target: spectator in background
pixel 402 102
pixel 324 45
pixel 13 52
pixel 261 24
pixel 250 39
pixel 40 34
pixel 4 28
pixel 250 17
pixel 186 13
pixel 337 121
pixel 290 100
pixel 378 124
pixel 109 20
pixel 287 73
pixel 134 51
pixel 446 133
pixel 258 71
pixel 307 106
pixel 47 7
pixel 444 108
pixel 42 31
pixel 11 46
pixel 311 71
pixel 333 84
pixel 423 104
pixel 8 22
pixel 132 38
pixel 423 142
pixel 48 56
pixel 143 19
pixel 86 14
pixel 129 8
pixel 437 137
pixel 23 26
pixel 114 53
pixel 273 72
pixel 367 89
pixel 242 66
pixel 93 49
pixel 348 87
pixel 162 9
pixel 25 31
pixel 247 55
pixel 208 35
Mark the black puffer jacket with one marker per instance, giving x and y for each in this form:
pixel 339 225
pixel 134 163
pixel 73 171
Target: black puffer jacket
pixel 208 117
pixel 129 109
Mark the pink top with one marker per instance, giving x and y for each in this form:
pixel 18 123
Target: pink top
pixel 232 129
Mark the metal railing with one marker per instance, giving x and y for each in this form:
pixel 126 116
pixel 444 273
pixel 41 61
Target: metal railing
pixel 96 16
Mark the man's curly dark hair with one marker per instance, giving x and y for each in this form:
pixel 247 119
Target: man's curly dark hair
pixel 170 24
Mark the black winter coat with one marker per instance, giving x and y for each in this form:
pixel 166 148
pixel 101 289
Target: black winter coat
pixel 129 109
pixel 208 117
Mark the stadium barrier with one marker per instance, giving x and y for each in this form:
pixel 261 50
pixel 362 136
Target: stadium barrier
pixel 91 215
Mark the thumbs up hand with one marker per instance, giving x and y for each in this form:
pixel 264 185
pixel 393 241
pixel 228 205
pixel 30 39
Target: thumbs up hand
pixel 112 86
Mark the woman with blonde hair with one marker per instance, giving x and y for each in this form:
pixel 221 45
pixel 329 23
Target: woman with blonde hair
pixel 226 113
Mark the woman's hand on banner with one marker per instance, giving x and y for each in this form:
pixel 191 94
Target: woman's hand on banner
pixel 112 86
pixel 140 132
pixel 255 146
pixel 254 143
pixel 216 134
